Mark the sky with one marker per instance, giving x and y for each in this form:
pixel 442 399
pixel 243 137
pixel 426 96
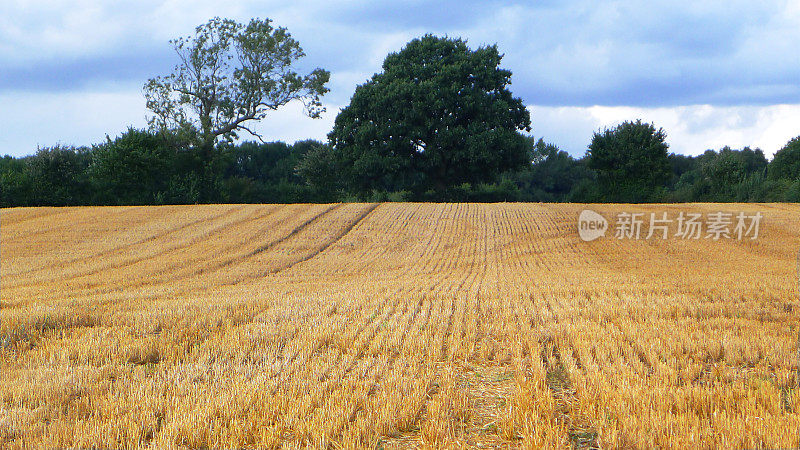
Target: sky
pixel 711 73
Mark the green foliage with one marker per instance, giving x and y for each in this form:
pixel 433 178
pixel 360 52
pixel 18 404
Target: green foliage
pixel 723 172
pixel 725 176
pixel 552 174
pixel 438 116
pixel 786 163
pixel 792 193
pixel 182 189
pixel 757 187
pixel 680 164
pixel 16 184
pixel 631 161
pixel 267 173
pixel 140 167
pixel 136 168
pixel 58 176
pixel 322 171
pixel 504 191
pixel 229 74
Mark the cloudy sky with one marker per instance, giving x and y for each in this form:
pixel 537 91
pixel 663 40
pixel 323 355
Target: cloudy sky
pixel 711 73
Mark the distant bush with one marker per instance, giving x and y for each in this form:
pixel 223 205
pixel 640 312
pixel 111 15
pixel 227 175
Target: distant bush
pixel 137 168
pixel 786 163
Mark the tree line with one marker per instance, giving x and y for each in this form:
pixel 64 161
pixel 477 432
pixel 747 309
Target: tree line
pixel 438 123
pixel 144 168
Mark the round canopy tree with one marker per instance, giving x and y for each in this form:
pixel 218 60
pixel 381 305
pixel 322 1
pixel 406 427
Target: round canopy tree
pixel 631 161
pixel 439 115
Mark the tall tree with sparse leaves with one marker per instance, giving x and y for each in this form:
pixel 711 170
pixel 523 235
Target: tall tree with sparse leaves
pixel 228 76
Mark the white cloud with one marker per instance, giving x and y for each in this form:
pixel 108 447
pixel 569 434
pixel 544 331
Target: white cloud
pixel 84 118
pixel 659 53
pixel 691 130
pixel 32 31
pixel 290 124
pixel 72 118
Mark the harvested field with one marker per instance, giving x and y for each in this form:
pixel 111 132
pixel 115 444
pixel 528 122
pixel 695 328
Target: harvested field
pixel 393 326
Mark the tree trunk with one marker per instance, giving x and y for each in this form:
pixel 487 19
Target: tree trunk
pixel 208 186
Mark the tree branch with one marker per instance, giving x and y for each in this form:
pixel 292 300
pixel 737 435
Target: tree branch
pixel 260 138
pixel 233 125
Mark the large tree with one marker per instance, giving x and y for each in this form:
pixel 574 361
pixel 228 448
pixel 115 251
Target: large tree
pixel 631 161
pixel 439 115
pixel 228 75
